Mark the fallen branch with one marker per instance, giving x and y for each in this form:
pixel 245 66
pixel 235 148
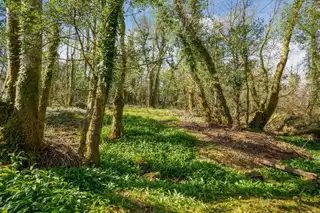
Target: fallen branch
pixel 306 175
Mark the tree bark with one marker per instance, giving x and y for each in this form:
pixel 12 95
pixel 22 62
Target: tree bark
pixel 117 128
pixel 13 50
pixel 262 117
pixel 109 27
pixel 54 39
pixel 93 81
pixel 314 57
pixel 71 80
pixel 190 100
pixel 27 91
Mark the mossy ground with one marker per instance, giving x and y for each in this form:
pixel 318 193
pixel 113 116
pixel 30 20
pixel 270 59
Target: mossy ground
pixel 155 167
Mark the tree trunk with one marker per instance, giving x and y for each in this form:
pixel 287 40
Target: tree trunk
pixel 117 128
pixel 26 130
pixel 315 72
pixel 71 80
pixel 150 98
pixel 108 52
pixel 13 50
pixel 54 39
pixel 190 100
pixel 264 114
pixel 237 123
pixel 193 71
pixel 197 44
pixel 92 154
pixel 89 113
pixel 92 90
pixel 314 57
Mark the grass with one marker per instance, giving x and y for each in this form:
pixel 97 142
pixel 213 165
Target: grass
pixel 155 168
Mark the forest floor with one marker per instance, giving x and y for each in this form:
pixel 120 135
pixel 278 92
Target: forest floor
pixel 167 163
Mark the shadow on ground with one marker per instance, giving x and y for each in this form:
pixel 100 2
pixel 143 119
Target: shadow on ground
pixel 151 147
pixel 241 149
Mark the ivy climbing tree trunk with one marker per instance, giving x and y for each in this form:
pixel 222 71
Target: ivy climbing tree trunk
pixel 13 49
pixel 197 44
pixel 24 126
pixel 54 39
pixel 117 128
pixel 263 115
pixel 207 114
pixel 108 36
pixel 313 55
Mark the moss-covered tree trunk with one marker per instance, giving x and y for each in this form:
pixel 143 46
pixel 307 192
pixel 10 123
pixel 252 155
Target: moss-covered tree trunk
pixel 314 56
pixel 207 114
pixel 108 36
pixel 314 74
pixel 262 116
pixel 13 50
pixel 26 128
pixel 196 43
pixel 54 39
pixel 190 100
pixel 117 128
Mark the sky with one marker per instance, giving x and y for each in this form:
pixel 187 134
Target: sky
pixel 263 9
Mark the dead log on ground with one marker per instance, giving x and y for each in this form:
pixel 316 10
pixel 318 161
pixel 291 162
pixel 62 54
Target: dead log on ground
pixel 306 175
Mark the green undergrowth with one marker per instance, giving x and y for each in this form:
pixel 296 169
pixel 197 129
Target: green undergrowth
pixel 153 168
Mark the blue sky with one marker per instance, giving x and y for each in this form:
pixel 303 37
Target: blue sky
pixel 221 7
pixel 263 9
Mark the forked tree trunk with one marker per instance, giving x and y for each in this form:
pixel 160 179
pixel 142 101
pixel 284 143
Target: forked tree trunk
pixel 92 94
pixel 54 39
pixel 89 113
pixel 108 37
pixel 13 50
pixel 117 128
pixel 93 137
pixel 262 116
pixel 24 128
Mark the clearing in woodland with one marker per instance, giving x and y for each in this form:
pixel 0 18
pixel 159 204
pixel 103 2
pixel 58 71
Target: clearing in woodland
pixel 167 163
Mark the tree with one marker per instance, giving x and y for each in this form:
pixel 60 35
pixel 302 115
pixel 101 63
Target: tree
pixel 195 77
pixel 13 49
pixel 108 33
pixel 53 38
pixel 196 43
pixel 264 113
pixel 311 28
pixel 117 128
pixel 23 128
